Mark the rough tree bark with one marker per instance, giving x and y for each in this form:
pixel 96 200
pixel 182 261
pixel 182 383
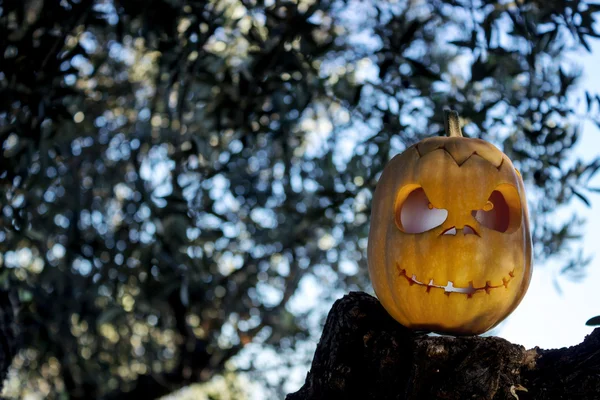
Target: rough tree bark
pixel 365 354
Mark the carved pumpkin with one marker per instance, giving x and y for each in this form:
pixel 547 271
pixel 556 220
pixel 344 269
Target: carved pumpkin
pixel 449 243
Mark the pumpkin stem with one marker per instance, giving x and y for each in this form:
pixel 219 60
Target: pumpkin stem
pixel 452 123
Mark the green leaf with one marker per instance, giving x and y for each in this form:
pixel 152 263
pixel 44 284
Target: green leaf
pixel 420 69
pixel 488 24
pixel 463 43
pixel 593 8
pixel 594 321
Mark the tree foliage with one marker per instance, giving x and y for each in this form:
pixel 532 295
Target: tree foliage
pixel 172 170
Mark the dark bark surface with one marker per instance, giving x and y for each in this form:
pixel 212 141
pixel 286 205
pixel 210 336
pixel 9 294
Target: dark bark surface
pixel 365 354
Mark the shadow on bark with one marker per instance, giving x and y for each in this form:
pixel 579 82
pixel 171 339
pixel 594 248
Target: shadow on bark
pixel 365 354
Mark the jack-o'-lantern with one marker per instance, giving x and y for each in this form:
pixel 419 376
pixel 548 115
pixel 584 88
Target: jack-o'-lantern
pixel 449 244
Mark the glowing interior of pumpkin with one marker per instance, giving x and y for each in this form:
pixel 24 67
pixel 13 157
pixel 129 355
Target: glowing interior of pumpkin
pixel 418 215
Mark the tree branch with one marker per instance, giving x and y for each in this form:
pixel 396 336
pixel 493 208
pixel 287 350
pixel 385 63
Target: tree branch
pixel 365 354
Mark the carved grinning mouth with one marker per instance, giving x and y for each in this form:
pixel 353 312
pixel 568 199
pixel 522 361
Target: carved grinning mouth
pixel 450 288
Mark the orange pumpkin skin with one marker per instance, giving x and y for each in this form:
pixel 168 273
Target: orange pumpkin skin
pixel 491 265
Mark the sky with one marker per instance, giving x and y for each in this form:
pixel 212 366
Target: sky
pixel 546 317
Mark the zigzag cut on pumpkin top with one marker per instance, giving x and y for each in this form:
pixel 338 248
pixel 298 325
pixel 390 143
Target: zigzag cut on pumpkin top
pixel 460 153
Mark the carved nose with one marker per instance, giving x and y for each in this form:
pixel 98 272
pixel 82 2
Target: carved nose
pixel 450 231
pixel 466 230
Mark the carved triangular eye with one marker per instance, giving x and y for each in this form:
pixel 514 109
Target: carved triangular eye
pixel 496 214
pixel 416 214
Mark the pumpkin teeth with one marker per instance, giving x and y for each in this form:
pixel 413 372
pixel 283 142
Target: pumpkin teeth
pixel 488 287
pixel 450 288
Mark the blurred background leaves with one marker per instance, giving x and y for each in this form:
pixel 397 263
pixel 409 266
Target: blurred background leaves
pixel 177 175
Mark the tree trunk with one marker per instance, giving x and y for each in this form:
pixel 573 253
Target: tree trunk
pixel 365 354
